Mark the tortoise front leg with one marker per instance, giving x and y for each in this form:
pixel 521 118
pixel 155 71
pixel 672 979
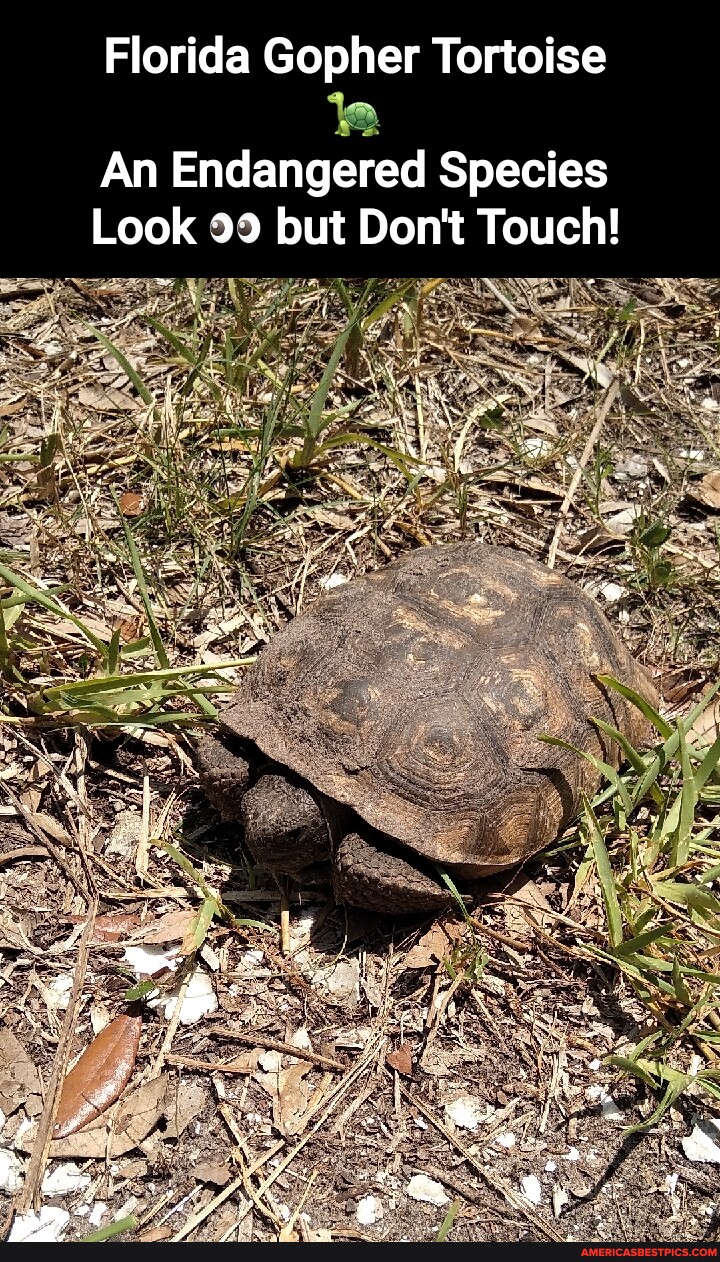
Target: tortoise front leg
pixel 365 874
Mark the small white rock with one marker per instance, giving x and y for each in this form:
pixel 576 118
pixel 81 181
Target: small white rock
pixel 572 1155
pixel 609 1109
pixel 535 448
pixel 531 1189
pixel 12 1172
pixel 199 1000
pixel 270 1062
pixel 58 992
pixel 550 1167
pixel 623 522
pixel 700 1144
pixel 421 1188
pixel 65 1178
pixel 47 1227
pixel 369 1210
pixel 96 1213
pixel 148 958
pixel 559 1198
pixel 710 404
pixel 332 580
pixel 691 453
pixel 467 1112
pixel 671 1180
pixel 506 1140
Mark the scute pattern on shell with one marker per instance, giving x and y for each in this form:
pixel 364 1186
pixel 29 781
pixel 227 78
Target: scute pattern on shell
pixel 415 695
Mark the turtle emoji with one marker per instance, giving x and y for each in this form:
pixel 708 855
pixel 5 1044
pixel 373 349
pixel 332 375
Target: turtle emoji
pixel 356 117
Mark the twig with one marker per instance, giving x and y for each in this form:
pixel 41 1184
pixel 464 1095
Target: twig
pixel 575 480
pixel 500 296
pixel 38 1158
pixel 272 1045
pixel 172 1027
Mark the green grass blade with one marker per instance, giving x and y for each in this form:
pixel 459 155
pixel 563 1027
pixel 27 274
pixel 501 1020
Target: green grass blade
pixel 688 800
pixel 146 395
pixel 708 765
pixel 53 606
pixel 158 646
pixel 605 875
pixel 651 714
pixel 603 768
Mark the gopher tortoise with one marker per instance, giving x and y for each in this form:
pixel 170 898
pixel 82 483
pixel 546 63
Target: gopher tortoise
pixel 392 728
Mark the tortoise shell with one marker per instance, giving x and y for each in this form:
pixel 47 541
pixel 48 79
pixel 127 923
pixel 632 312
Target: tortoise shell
pixel 415 696
pixel 360 116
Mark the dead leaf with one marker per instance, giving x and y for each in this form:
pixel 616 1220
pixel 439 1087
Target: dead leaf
pixel 401 1059
pixel 106 399
pixel 101 1074
pixel 215 1172
pixel 181 1106
pixel 292 1098
pixel 131 504
pixel 246 1062
pixel 706 728
pixel 707 490
pixel 143 1109
pixel 172 927
pixel 109 928
pixel 19 1079
pixel 430 949
pixel 156 1233
pixel 139 1113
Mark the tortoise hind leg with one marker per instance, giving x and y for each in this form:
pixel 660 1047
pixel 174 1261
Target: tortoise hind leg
pixel 371 131
pixel 369 875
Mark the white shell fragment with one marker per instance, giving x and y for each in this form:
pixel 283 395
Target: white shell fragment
pixel 700 1144
pixel 332 580
pixel 466 1112
pixel 369 1210
pixel 421 1188
pixel 47 1227
pixel 199 1000
pixel 12 1172
pixel 148 958
pixel 531 1189
pixel 65 1178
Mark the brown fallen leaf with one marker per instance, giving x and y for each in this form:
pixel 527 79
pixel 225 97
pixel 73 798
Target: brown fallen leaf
pixel 430 949
pixel 171 927
pixel 109 928
pixel 19 1079
pixel 156 1233
pixel 401 1059
pixel 131 504
pixel 212 1172
pixel 181 1106
pixel 292 1100
pixel 707 490
pixel 139 1113
pixel 101 1074
pixel 706 728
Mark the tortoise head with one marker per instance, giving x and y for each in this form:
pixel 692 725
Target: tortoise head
pixel 336 98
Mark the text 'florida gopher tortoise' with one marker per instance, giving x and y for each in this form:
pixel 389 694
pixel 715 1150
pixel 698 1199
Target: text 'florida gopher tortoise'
pixel 393 726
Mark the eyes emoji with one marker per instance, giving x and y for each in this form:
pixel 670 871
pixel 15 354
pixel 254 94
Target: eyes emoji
pixel 247 227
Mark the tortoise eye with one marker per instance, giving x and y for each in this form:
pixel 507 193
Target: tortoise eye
pixel 248 228
pixel 221 227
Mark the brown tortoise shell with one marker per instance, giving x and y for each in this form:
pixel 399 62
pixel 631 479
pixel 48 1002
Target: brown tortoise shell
pixel 414 695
